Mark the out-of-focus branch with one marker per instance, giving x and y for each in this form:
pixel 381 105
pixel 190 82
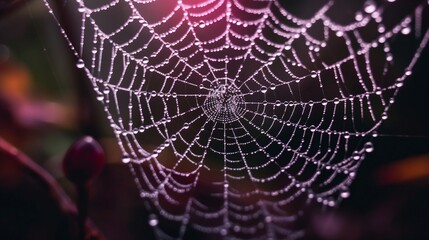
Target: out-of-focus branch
pixel 11 158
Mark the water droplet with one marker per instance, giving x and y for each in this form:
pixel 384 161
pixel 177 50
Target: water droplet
pixel 145 60
pixel 408 72
pixel 358 16
pixel 345 194
pixel 264 89
pixel 324 102
pixel 356 155
pixel 80 64
pixel 369 147
pixel 370 7
pixel 313 74
pixel 336 101
pixel 126 159
pixel 100 97
pixel 406 30
pixel 389 57
pixel 399 84
pixel 153 220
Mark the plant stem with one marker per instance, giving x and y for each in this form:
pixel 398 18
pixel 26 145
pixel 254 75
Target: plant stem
pixel 82 205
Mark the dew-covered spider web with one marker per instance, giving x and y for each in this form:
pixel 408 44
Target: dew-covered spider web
pixel 235 116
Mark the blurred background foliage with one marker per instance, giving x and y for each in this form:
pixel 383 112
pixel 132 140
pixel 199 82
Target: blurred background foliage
pixel 49 102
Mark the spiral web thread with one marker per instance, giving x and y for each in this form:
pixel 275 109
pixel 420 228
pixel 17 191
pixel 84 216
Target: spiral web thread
pixel 234 115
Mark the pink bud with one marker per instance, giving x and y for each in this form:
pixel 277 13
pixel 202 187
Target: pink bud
pixel 83 160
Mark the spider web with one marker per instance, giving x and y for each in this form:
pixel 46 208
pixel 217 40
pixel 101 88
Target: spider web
pixel 234 116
